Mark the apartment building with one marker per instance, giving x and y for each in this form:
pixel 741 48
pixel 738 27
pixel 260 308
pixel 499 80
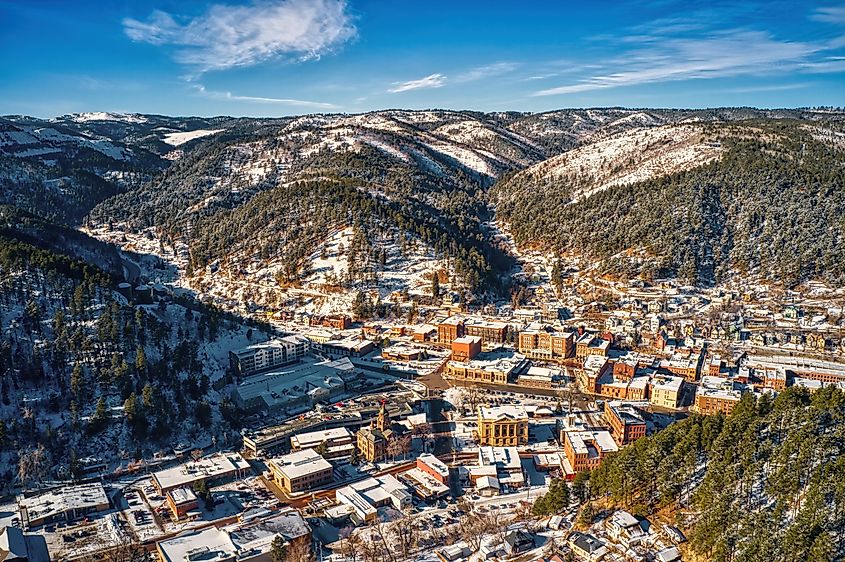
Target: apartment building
pixel 265 356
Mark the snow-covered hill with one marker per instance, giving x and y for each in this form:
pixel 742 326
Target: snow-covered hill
pixel 629 157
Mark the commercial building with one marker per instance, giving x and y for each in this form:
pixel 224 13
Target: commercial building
pixel 585 449
pixel 491 333
pixel 300 471
pixel 181 501
pixel 537 377
pixel 595 366
pixel 450 329
pixel 500 463
pixel 626 423
pixel 496 367
pixel 465 348
pixel 545 344
pixel 269 355
pixel 423 484
pixel 502 426
pixel 62 504
pixel 249 541
pixel 588 344
pixel 666 392
pixel 433 466
pixel 211 469
pixel 295 388
pixel 338 442
pixel 366 496
pixel 714 400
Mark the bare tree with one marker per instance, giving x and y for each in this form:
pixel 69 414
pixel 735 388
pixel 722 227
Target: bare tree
pixel 32 465
pixel 405 534
pixel 299 551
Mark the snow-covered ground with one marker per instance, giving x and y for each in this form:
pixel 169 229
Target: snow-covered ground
pixel 176 139
pixel 629 157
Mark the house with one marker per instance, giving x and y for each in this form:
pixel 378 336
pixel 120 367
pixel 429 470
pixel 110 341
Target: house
pixel 671 554
pixel 586 547
pixel 453 553
pixel 625 528
pixel 517 541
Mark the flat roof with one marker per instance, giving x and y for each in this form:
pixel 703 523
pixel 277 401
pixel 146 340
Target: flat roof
pixel 314 438
pixel 435 463
pixel 259 534
pixel 212 466
pixel 516 412
pixel 64 499
pixel 582 441
pixel 469 340
pixel 504 457
pixel 301 463
pixel 182 495
pixel 207 545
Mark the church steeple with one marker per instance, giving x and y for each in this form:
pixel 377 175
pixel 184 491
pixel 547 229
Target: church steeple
pixel 383 420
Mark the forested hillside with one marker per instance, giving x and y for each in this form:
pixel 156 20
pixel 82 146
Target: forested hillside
pixel 769 205
pixel 85 374
pixel 767 483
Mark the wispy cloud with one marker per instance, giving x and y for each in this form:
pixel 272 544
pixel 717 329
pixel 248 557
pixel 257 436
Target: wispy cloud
pixel 439 80
pixel 229 96
pixel 720 54
pixel 430 81
pixel 228 36
pixel 486 71
pixel 771 88
pixel 829 14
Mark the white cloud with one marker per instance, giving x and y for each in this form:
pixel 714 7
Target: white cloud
pixel 229 96
pixel 227 36
pixel 722 54
pixel 430 81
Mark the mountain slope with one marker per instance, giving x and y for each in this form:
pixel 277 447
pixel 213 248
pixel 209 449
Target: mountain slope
pixel 765 483
pixel 767 206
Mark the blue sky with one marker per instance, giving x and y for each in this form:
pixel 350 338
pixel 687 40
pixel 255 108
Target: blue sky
pixel 283 57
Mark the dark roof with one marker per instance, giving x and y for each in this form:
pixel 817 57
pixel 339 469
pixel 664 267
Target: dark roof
pixel 585 542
